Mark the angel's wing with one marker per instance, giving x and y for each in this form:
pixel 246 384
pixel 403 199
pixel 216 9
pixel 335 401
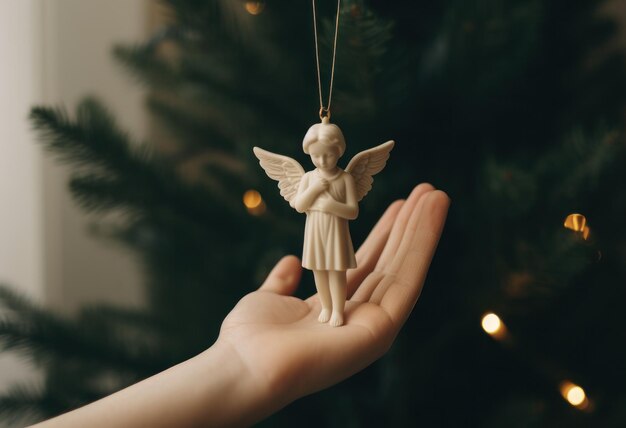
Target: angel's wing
pixel 287 171
pixel 367 164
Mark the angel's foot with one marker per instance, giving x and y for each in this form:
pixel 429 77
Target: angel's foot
pixel 336 319
pixel 324 315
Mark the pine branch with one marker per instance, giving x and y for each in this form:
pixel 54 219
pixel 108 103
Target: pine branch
pixel 213 84
pixel 563 174
pixel 373 75
pixel 224 18
pixel 47 338
pixel 61 391
pixel 543 191
pixel 579 162
pixel 147 68
pixel 92 139
pixel 214 73
pixel 191 127
pixel 25 404
pixel 143 183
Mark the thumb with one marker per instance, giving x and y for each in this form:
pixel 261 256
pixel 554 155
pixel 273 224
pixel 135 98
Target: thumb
pixel 285 276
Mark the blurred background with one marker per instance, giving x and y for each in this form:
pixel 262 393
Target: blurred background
pixel 134 215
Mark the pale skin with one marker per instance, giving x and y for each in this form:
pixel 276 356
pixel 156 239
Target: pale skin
pixel 272 350
pixel 331 285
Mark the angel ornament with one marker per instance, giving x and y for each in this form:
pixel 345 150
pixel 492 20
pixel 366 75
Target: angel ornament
pixel 329 196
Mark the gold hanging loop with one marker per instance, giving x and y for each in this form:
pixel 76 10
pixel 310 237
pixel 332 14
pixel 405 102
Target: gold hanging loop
pixel 324 113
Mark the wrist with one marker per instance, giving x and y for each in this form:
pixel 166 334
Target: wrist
pixel 233 392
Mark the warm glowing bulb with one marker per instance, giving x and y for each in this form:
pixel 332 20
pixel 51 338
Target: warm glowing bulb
pixel 252 199
pixel 255 7
pixel 254 202
pixel 574 395
pixel 577 223
pixel 491 323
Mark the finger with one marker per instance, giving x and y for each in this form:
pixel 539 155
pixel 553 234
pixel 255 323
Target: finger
pixel 367 255
pixel 398 228
pixel 401 296
pixel 392 266
pixel 284 277
pixel 371 282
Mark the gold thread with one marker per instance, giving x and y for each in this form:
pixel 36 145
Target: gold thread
pixel 317 61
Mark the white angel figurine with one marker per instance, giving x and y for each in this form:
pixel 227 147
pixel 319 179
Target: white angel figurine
pixel 329 196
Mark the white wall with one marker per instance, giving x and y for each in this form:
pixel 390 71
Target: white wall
pixel 21 258
pixel 55 52
pixel 78 38
pixel 21 238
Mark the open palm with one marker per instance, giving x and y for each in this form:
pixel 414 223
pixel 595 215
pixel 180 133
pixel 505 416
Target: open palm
pixel 287 350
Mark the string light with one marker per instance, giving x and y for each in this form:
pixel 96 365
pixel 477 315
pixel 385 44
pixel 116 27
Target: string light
pixel 255 7
pixel 493 326
pixel 574 395
pixel 254 202
pixel 577 223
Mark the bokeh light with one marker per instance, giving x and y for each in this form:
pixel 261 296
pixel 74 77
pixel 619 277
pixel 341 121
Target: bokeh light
pixel 577 223
pixel 255 7
pixel 254 202
pixel 574 395
pixel 493 325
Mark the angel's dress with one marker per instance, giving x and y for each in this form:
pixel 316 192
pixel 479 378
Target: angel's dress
pixel 327 242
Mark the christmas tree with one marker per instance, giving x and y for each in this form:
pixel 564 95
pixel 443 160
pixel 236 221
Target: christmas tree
pixel 513 108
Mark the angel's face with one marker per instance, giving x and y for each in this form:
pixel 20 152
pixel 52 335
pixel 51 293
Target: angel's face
pixel 323 156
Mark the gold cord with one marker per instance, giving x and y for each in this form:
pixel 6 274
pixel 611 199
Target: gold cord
pixel 325 111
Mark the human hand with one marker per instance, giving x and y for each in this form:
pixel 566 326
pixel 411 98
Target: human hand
pixel 272 350
pixel 287 353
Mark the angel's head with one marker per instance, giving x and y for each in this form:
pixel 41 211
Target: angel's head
pixel 325 143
